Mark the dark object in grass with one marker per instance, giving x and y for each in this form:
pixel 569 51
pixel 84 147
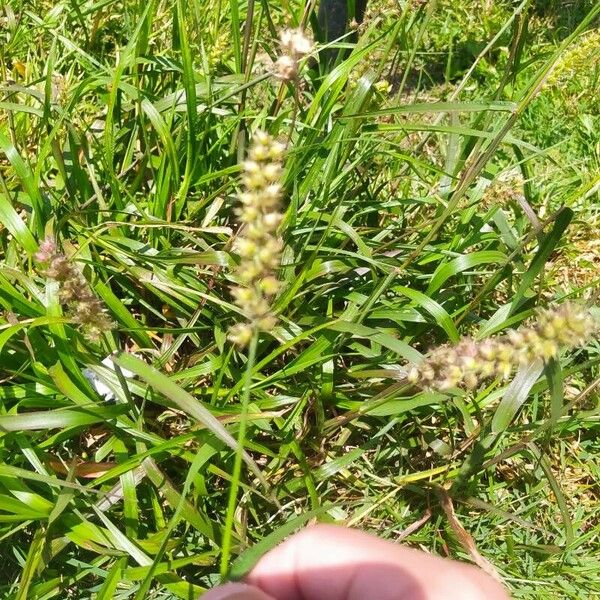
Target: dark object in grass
pixel 334 20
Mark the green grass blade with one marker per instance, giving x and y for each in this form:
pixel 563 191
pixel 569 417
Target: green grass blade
pixel 184 401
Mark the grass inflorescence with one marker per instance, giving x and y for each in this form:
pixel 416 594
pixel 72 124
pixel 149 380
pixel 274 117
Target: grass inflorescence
pixel 74 291
pixel 258 245
pixel 470 361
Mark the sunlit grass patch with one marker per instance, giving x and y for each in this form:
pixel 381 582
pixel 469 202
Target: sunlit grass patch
pixel 439 182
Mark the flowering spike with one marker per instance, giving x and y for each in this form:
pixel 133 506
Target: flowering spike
pixel 257 245
pixel 295 45
pixel 75 293
pixel 469 362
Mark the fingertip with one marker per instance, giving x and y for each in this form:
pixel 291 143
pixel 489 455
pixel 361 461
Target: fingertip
pixel 235 591
pixel 487 586
pixel 329 561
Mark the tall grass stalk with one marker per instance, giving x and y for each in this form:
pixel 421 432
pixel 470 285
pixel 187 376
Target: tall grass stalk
pixel 232 499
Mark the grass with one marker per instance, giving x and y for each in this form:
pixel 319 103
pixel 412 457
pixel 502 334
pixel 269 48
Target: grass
pixel 442 180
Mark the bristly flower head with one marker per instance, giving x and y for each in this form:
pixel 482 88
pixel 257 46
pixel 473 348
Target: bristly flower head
pixel 469 362
pixel 75 293
pixel 295 43
pixel 258 246
pixel 295 46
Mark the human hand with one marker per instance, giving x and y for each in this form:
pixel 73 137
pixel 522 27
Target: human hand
pixel 327 562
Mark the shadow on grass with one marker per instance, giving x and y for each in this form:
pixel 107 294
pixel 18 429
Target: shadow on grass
pixel 565 15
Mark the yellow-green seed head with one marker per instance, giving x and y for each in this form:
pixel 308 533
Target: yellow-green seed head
pixel 470 361
pixel 413 375
pixel 240 334
pixel 257 245
pixel 270 285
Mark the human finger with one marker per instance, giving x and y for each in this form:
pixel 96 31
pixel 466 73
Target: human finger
pixel 327 562
pixel 236 591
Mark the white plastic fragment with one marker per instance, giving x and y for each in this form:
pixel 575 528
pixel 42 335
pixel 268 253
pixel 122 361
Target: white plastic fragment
pixel 105 383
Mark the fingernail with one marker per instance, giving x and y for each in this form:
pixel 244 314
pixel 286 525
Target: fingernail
pixel 235 591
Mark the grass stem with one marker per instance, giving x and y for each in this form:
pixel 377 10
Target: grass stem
pixel 237 465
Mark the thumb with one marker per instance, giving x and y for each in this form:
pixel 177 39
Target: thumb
pixel 236 591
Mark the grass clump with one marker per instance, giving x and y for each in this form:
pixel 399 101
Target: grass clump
pixel 434 192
